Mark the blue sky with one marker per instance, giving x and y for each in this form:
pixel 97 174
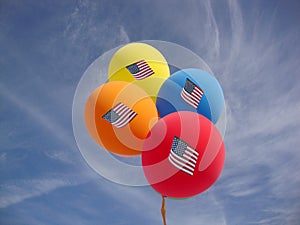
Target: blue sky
pixel 253 49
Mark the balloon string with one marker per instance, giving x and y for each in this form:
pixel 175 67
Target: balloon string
pixel 163 210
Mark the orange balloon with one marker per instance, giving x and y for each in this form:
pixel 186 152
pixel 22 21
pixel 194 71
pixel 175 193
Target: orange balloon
pixel 119 115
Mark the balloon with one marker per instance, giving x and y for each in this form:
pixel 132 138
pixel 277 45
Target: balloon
pixel 183 155
pixel 118 116
pixel 141 64
pixel 192 90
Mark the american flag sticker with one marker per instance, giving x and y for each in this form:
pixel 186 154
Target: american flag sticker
pixel 182 156
pixel 140 70
pixel 120 115
pixel 191 93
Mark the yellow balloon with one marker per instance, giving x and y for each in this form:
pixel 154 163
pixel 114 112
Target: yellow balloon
pixel 140 64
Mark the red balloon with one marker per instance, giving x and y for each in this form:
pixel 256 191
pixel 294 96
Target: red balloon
pixel 183 155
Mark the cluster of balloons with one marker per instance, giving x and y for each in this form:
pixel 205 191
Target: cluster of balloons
pixel 168 119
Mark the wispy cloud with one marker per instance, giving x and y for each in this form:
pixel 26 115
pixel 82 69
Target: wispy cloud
pixel 261 140
pixel 78 30
pixel 257 68
pixel 41 117
pixel 83 30
pixel 192 209
pixel 258 114
pixel 213 28
pixel 20 190
pixel 14 191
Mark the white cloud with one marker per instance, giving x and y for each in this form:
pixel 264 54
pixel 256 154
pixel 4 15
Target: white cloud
pixel 262 121
pixel 16 191
pixel 146 201
pixel 261 89
pixel 85 32
pixel 260 111
pixel 41 117
pixel 213 27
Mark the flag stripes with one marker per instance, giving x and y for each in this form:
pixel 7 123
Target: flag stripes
pixel 182 156
pixel 120 115
pixel 140 70
pixel 191 93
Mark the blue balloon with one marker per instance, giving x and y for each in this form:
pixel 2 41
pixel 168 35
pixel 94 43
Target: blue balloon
pixel 191 90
